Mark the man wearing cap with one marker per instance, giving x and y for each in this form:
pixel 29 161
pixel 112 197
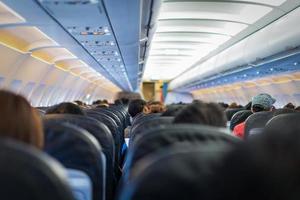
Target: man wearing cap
pixel 261 102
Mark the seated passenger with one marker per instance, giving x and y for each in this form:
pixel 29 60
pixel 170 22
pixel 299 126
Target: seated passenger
pixel 101 104
pixel 210 114
pixel 289 106
pixel 261 102
pixel 156 107
pixel 65 108
pixel 135 108
pixel 20 121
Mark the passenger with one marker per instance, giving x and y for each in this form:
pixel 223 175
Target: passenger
pixel 135 108
pixel 261 102
pixel 298 108
pixel 19 121
pixel 210 114
pixel 79 103
pixel 101 103
pixel 289 106
pixel 65 108
pixel 233 105
pixel 156 107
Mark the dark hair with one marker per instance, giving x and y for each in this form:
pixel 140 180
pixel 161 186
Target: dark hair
pixel 80 103
pixel 20 121
pixel 65 108
pixel 136 106
pixel 202 113
pixel 258 108
pixel 297 108
pixel 290 106
pixel 173 110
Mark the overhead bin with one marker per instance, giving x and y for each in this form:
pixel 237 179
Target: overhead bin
pixel 271 40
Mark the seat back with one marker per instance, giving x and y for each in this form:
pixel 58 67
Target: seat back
pixel 257 120
pixel 28 174
pixel 144 126
pixel 165 136
pixel 284 122
pixel 144 117
pixel 182 171
pixel 230 112
pixel 77 149
pixel 81 184
pixel 239 117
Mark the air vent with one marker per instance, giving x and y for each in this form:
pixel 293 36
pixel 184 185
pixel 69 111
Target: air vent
pixel 70 2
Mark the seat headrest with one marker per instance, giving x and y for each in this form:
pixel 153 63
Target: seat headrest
pixel 77 149
pixel 144 117
pixel 178 172
pixel 28 174
pixel 141 127
pixel 284 122
pixel 257 120
pixel 239 117
pixel 230 112
pixel 169 135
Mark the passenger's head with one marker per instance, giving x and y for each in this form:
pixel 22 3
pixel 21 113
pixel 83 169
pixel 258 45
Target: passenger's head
pixel 19 121
pixel 79 103
pixel 289 106
pixel 156 107
pixel 136 106
pixel 262 102
pixel 210 114
pixel 173 110
pixel 233 105
pixel 298 108
pixel 65 108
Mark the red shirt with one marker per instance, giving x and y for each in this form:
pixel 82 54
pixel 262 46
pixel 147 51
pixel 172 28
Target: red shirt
pixel 239 130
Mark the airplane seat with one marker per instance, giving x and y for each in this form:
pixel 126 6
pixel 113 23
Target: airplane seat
pixel 230 112
pixel 80 183
pixel 122 111
pixel 139 129
pixel 239 117
pixel 181 171
pixel 257 120
pixel 111 124
pixel 119 114
pixel 29 174
pixel 284 122
pixel 77 149
pixel 108 121
pixel 112 115
pixel 103 136
pixel 145 117
pixel 169 135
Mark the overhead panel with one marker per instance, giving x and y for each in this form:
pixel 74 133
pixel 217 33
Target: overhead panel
pixel 190 30
pixel 41 51
pixel 8 16
pixel 88 23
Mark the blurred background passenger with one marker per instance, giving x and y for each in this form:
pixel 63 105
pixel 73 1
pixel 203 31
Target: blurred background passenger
pixel 65 108
pixel 135 108
pixel 156 107
pixel 261 102
pixel 290 106
pixel 210 114
pixel 20 121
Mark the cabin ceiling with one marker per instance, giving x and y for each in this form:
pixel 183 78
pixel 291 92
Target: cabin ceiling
pixel 190 31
